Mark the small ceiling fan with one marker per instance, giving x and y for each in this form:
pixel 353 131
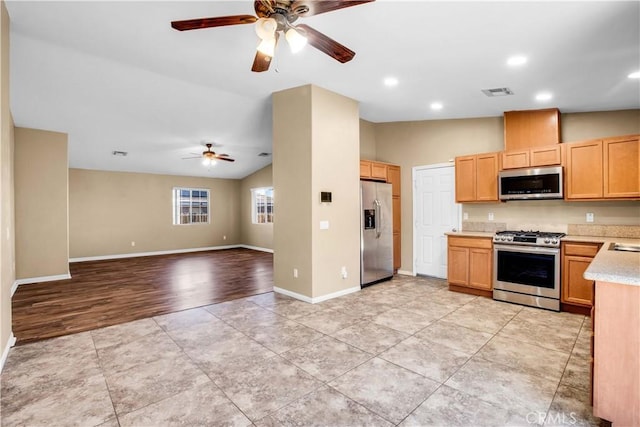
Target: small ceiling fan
pixel 210 157
pixel 276 17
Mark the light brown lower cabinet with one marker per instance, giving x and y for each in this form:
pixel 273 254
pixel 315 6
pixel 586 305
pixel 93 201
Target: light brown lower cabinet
pixel 576 290
pixel 469 265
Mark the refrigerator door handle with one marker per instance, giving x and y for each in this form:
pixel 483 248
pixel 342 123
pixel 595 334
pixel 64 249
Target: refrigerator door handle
pixel 376 204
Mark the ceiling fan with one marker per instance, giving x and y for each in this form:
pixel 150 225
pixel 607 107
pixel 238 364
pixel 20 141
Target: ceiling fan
pixel 276 17
pixel 210 157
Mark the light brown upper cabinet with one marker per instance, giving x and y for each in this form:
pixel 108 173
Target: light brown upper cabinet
pixel 602 168
pixel 540 156
pixel 621 162
pixel 477 178
pixel 524 130
pixel 373 170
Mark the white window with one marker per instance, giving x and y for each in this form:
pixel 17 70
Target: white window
pixel 262 205
pixel 190 206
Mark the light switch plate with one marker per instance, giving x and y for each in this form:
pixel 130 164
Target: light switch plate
pixel 324 225
pixel 590 216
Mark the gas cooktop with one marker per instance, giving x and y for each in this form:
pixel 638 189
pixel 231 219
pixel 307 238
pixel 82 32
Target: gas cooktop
pixel 530 238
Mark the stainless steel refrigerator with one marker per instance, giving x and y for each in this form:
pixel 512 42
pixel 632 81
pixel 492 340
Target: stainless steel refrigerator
pixel 376 233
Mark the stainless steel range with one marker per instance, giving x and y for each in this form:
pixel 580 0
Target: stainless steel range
pixel 526 268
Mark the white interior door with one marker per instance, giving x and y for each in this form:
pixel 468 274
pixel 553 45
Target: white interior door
pixel 435 213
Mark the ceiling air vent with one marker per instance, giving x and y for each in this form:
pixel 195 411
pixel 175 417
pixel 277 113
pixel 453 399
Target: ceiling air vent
pixel 501 91
pixel 119 153
pixel 264 154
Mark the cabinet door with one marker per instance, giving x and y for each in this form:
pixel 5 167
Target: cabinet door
pixel 480 269
pixel 575 288
pixel 545 156
pixel 584 170
pixel 365 169
pixel 465 179
pixel 458 265
pixel 515 159
pixel 378 171
pixel 531 128
pixel 487 177
pixel 621 163
pixel 397 214
pixel 393 177
pixel 397 244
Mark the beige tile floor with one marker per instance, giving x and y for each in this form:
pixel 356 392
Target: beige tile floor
pixel 406 352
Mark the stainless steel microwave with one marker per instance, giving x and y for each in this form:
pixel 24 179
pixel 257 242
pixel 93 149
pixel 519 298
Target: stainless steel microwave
pixel 531 183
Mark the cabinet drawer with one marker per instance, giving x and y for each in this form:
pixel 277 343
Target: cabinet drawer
pixel 581 249
pixel 470 242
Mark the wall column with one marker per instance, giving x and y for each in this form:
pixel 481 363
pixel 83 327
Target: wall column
pixel 316 149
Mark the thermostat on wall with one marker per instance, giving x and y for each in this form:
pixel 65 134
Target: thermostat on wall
pixel 325 196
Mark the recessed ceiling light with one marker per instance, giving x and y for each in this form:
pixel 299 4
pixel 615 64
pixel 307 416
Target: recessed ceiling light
pixel 634 75
pixel 390 81
pixel 544 96
pixel 436 106
pixel 514 61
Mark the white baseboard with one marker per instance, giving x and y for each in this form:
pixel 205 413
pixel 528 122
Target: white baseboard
pixel 5 351
pixel 406 273
pixel 29 280
pixel 139 254
pixel 316 299
pixel 14 287
pixel 256 248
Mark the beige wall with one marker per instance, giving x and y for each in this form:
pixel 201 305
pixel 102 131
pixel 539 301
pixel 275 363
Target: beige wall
pixel 311 125
pixel 41 209
pixel 410 144
pixel 109 210
pixel 367 140
pixel 7 226
pixel 336 130
pixel 292 233
pixel 579 126
pixel 258 235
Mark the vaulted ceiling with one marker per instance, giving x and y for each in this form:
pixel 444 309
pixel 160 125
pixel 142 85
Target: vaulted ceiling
pixel 114 75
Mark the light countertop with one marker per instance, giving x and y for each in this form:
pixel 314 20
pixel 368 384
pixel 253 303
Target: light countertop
pixel 615 266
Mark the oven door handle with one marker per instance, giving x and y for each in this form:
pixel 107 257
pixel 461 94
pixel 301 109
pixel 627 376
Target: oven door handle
pixel 527 249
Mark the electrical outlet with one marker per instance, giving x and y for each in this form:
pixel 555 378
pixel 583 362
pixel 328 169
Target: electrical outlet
pixel 590 216
pixel 224 237
pixel 343 272
pixel 133 243
pixel 465 215
pixel 490 216
pixel 295 273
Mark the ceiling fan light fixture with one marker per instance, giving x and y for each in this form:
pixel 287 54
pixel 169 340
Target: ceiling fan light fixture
pixel 207 161
pixel 267 47
pixel 296 40
pixel 266 28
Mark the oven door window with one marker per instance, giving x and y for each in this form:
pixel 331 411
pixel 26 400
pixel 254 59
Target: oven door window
pixel 526 268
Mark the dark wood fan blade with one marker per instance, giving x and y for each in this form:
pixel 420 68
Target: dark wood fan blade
pixel 315 7
pixel 261 62
pixel 226 159
pixel 220 21
pixel 327 45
